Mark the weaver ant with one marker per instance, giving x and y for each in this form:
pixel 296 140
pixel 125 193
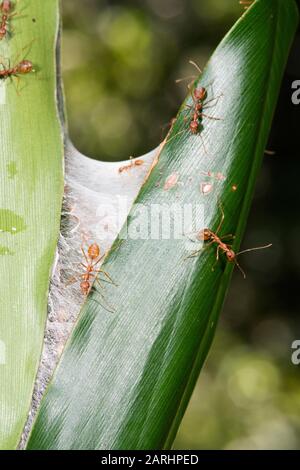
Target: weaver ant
pixel 6 8
pixel 207 235
pixel 199 96
pixel 132 164
pixel 92 258
pixel 22 68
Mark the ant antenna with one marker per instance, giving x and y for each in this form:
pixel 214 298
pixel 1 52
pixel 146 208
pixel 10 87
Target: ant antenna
pixel 191 77
pixel 245 251
pixel 241 269
pixel 195 65
pixel 254 249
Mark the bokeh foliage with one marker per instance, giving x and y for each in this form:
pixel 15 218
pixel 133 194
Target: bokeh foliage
pixel 125 56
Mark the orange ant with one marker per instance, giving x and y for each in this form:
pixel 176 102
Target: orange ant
pixel 22 68
pixel 92 258
pixel 199 96
pixel 132 164
pixel 200 103
pixel 6 8
pixel 207 235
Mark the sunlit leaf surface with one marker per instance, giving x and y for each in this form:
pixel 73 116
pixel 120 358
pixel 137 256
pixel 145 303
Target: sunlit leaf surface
pixel 31 192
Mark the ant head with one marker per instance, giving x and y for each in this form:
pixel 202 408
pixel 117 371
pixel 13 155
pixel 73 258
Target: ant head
pixel 230 255
pixel 25 67
pixel 85 287
pixel 200 93
pixel 204 235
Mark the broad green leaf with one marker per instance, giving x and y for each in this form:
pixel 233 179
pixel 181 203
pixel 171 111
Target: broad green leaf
pixel 31 193
pixel 126 376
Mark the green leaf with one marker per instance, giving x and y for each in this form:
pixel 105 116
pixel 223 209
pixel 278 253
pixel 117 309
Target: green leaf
pixel 31 193
pixel 125 377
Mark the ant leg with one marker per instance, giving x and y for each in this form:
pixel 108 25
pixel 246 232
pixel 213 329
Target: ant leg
pixel 83 265
pixel 211 117
pixel 98 261
pixel 229 236
pixel 101 295
pixel 166 126
pixel 108 276
pixel 18 85
pixel 28 47
pixel 191 88
pixel 209 107
pixel 190 109
pixel 171 138
pixel 242 271
pixel 100 284
pixel 193 254
pixel 222 218
pixel 84 254
pixel 110 309
pixel 212 99
pixel 217 258
pixel 197 252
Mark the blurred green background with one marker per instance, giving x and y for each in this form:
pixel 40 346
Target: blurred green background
pixel 120 62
